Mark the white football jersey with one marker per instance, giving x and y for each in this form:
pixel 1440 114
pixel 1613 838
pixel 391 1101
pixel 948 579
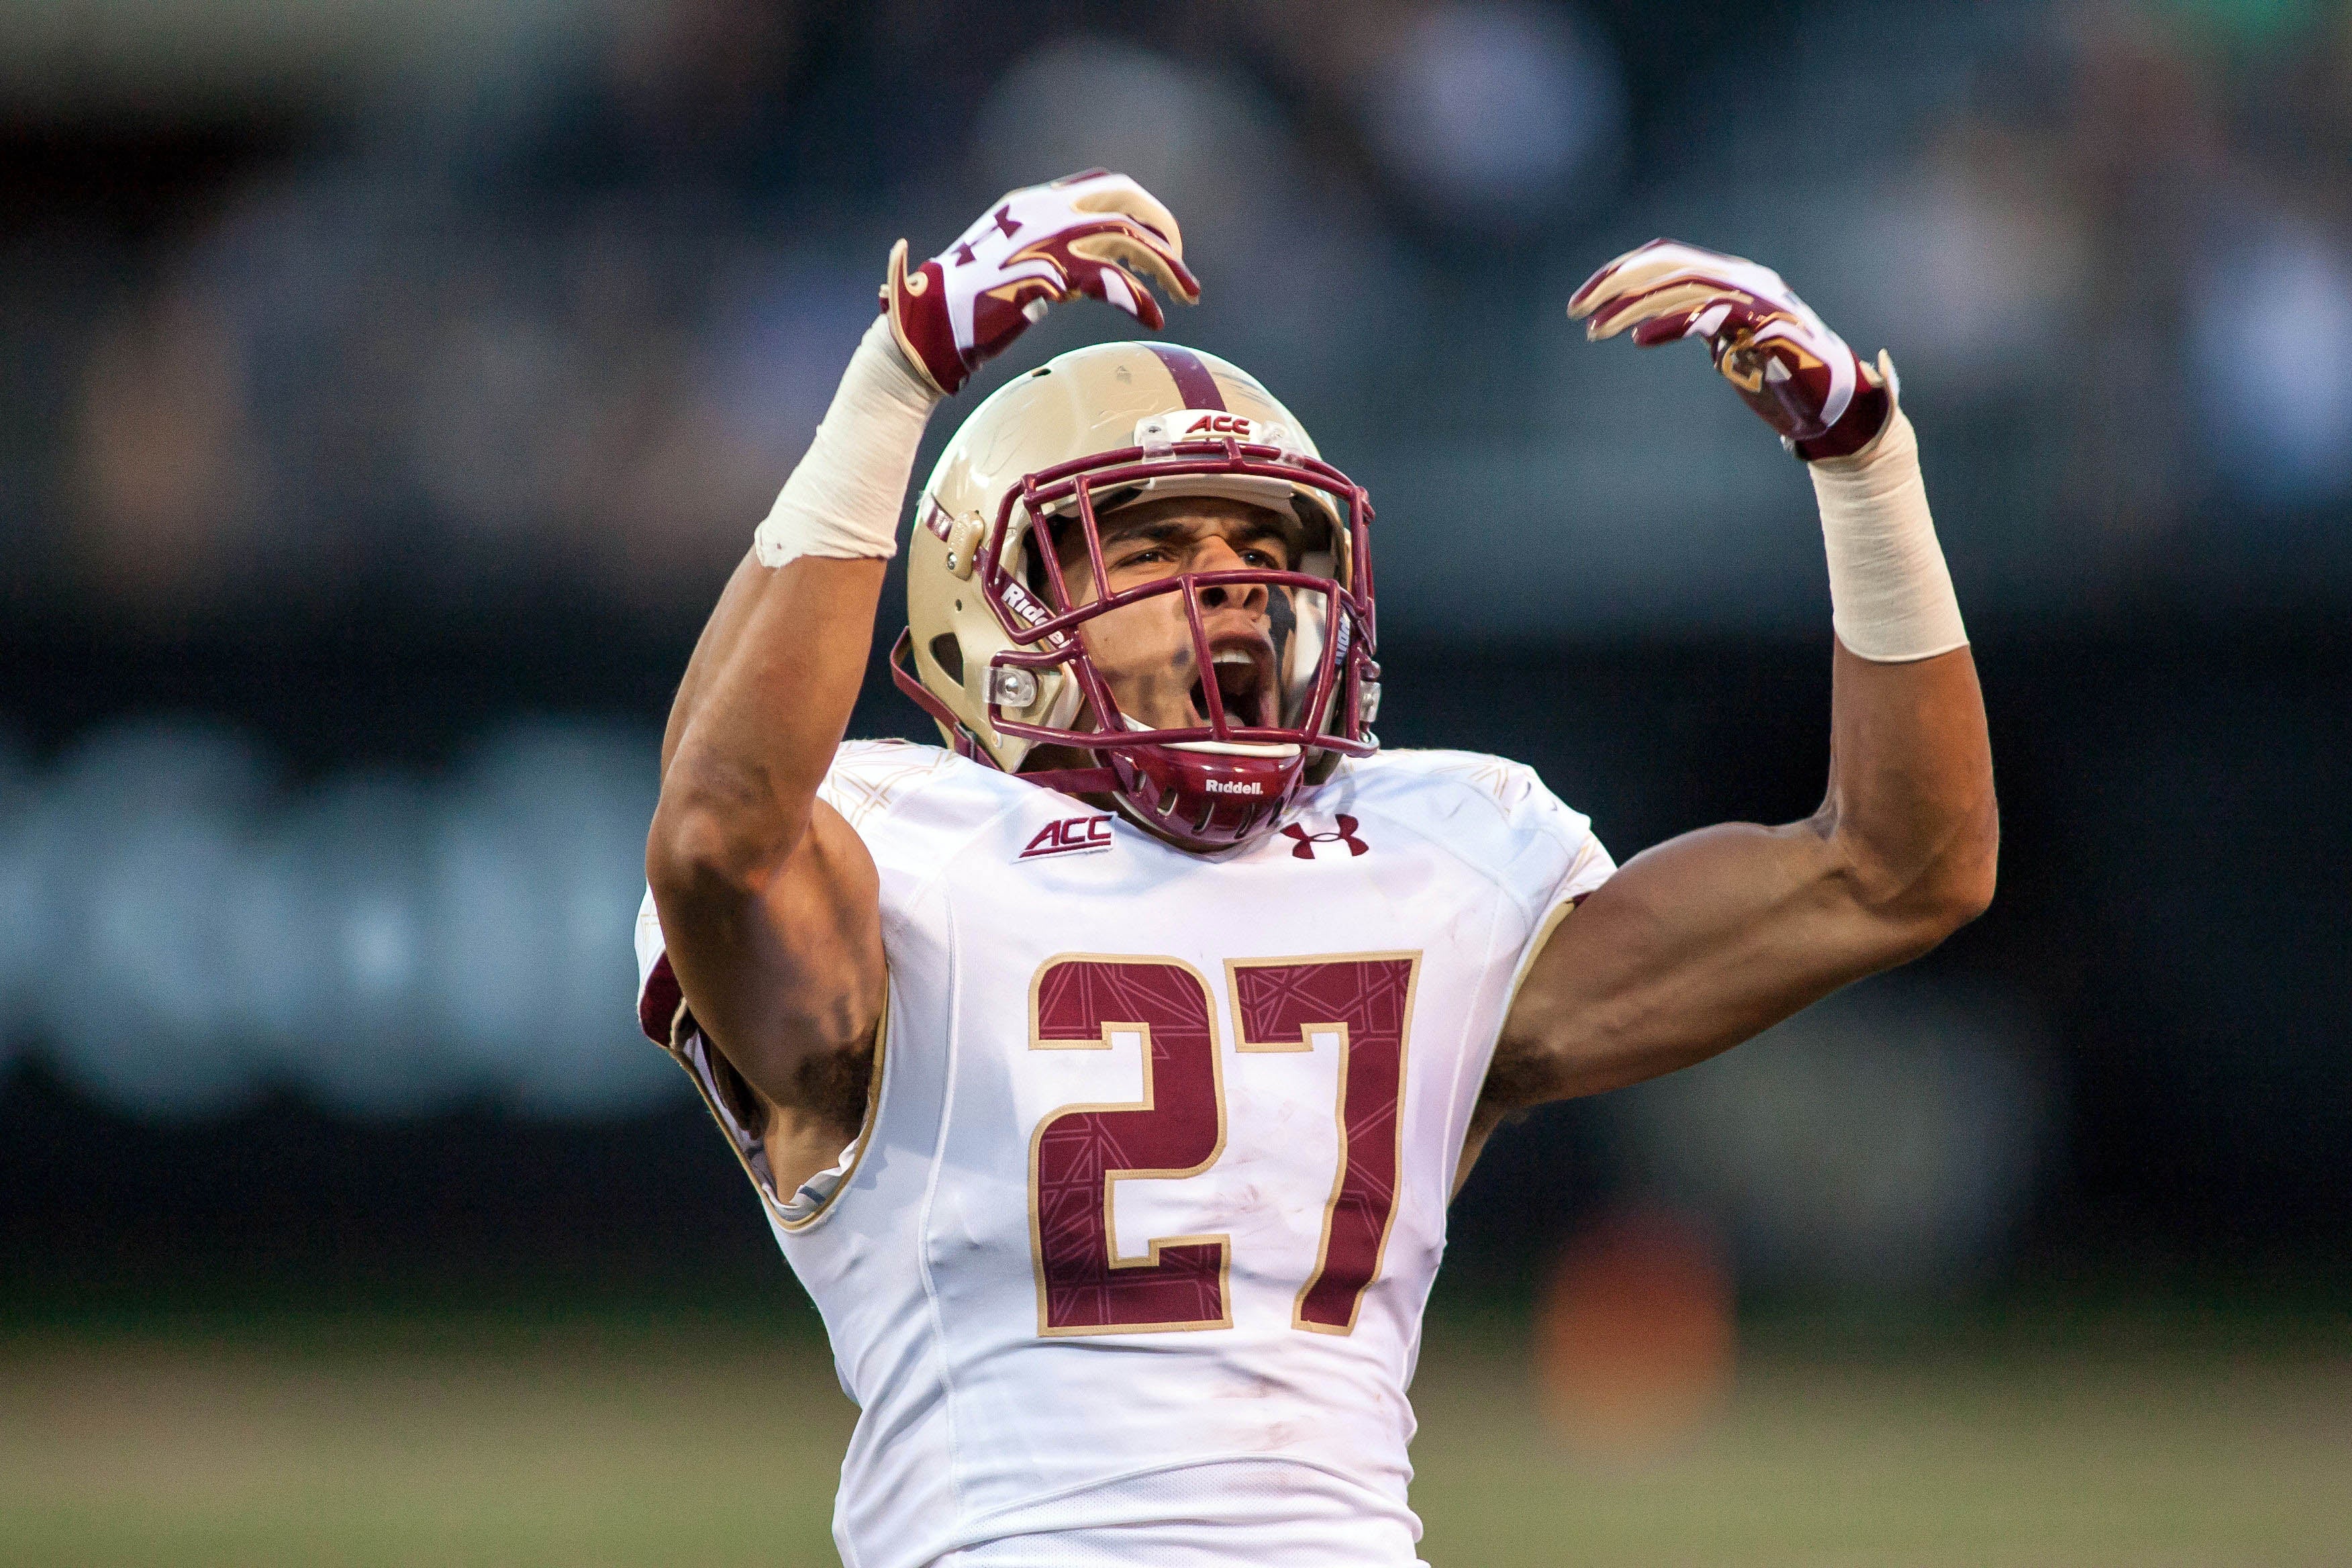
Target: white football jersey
pixel 1127 1267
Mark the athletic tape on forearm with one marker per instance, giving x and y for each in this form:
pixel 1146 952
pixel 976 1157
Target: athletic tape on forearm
pixel 1890 593
pixel 844 498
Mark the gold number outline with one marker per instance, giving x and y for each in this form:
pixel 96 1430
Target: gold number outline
pixel 1223 1241
pixel 1306 1033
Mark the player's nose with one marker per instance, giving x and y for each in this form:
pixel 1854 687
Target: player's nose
pixel 1216 553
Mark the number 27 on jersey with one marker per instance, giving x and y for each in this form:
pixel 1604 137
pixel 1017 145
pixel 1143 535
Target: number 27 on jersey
pixel 1359 1004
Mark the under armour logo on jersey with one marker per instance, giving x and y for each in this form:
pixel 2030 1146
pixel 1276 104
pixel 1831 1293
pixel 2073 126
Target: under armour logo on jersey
pixel 1071 836
pixel 1304 848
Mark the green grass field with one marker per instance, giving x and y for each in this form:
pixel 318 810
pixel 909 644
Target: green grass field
pixel 458 1440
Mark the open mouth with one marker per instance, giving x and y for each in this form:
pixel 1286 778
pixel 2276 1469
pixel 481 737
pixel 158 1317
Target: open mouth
pixel 1243 668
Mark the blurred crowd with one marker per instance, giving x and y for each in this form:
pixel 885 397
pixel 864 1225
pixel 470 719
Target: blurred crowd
pixel 182 932
pixel 553 312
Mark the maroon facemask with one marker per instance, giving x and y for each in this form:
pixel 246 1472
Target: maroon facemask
pixel 1275 710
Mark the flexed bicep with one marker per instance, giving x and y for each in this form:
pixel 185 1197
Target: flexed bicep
pixel 1714 936
pixel 787 973
pixel 1687 950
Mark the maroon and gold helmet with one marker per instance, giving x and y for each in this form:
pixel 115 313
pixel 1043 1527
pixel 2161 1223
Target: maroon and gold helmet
pixel 1000 652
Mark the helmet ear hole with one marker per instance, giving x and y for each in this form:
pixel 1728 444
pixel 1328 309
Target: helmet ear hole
pixel 948 654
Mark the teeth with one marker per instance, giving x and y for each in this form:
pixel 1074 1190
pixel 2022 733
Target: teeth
pixel 1232 656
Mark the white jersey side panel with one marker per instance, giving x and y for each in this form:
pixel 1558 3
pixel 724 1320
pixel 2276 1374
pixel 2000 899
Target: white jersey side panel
pixel 1129 1262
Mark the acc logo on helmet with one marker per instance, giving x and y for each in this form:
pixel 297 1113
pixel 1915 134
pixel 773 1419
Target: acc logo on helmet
pixel 1220 425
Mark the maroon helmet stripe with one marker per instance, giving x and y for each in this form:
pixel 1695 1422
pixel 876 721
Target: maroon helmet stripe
pixel 1193 382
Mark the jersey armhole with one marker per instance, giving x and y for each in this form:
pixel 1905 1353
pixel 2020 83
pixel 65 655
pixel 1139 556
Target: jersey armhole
pixel 817 1197
pixel 736 1106
pixel 1545 930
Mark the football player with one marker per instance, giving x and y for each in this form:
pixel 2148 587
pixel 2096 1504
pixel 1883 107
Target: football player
pixel 1105 1071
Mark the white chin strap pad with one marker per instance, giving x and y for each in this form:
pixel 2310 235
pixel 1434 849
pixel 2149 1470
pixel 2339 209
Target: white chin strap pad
pixel 1891 595
pixel 842 499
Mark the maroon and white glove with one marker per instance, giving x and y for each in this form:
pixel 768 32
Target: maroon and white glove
pixel 1079 235
pixel 1789 366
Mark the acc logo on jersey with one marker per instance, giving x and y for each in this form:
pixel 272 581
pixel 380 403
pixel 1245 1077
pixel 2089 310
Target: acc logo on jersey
pixel 1309 845
pixel 1071 836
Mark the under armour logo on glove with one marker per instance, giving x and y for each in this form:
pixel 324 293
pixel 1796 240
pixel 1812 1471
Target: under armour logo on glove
pixel 1039 245
pixel 1304 847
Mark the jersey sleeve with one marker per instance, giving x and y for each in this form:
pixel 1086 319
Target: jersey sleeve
pixel 871 782
pixel 1547 857
pixel 1564 861
pixel 1539 853
pixel 1542 852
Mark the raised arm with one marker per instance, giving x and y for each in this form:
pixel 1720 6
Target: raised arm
pixel 769 901
pixel 1706 940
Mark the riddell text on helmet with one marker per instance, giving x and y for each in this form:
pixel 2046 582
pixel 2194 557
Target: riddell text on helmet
pixel 1219 786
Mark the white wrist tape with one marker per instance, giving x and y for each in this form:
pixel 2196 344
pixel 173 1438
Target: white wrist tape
pixel 844 498
pixel 1890 594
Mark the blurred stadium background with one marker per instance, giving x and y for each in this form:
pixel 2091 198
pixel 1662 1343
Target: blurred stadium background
pixel 385 390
